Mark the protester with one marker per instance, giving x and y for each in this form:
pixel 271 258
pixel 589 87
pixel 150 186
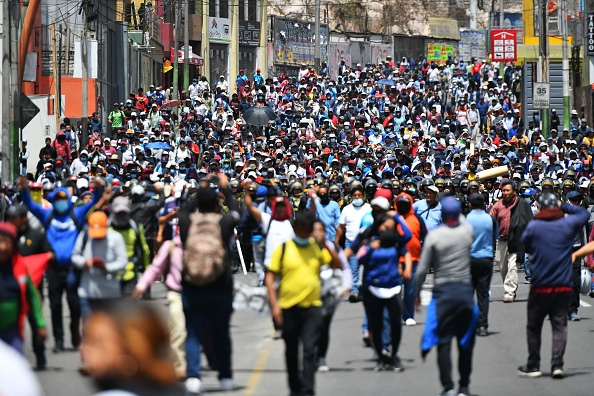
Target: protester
pixel 125 348
pixel 552 280
pixel 297 263
pixel 450 313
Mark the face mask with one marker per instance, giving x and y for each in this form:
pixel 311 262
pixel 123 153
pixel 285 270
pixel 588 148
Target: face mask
pixel 132 175
pixel 358 202
pixel 61 206
pixel 324 198
pixel 528 200
pixel 301 241
pixel 84 160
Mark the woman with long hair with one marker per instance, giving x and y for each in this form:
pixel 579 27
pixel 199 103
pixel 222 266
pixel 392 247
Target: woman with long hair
pixel 126 347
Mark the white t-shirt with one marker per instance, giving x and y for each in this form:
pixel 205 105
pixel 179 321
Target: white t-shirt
pixel 16 376
pixel 351 218
pixel 279 233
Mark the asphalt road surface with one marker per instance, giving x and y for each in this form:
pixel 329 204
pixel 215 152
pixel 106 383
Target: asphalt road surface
pixel 259 367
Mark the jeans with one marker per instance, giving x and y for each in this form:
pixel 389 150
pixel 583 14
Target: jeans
pixel 577 280
pixel 375 307
pixel 212 306
pixel 555 306
pixel 386 330
pixel 527 272
pixel 409 294
pixel 57 285
pixel 481 271
pixel 301 324
pixel 354 264
pixel 258 249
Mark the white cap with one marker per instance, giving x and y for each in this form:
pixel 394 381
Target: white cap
pixel 381 202
pixel 82 183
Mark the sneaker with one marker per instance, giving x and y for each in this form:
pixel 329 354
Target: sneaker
pixel 527 281
pixel 508 299
pixel 379 366
pixel 410 322
pixel 449 392
pixel 482 332
pixel 366 340
pixel 528 371
pixel 322 366
pixel 395 367
pixel 557 373
pixel 591 294
pixel 260 283
pixel 463 391
pixel 354 297
pixel 227 384
pixel 573 316
pixel 193 385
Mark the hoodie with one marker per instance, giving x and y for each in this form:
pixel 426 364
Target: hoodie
pixel 417 228
pixel 62 229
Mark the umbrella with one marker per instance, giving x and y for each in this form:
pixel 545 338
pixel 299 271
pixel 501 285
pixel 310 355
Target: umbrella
pixel 259 115
pixel 170 104
pixel 386 81
pixel 158 146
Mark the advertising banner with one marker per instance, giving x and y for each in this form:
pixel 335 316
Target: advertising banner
pixel 294 42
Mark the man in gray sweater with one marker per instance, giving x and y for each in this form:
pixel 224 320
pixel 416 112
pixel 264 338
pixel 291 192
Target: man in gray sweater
pixel 100 254
pixel 451 312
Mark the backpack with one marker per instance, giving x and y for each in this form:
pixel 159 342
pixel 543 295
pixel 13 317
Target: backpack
pixel 204 254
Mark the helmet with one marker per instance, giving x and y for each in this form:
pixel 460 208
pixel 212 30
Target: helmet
pixel 524 184
pixel 296 185
pixel 310 183
pixel 234 183
pixel 412 190
pixel 334 188
pixel 548 183
pixel 426 182
pixel 366 220
pixel 370 183
pixel 410 180
pixel 439 182
pixel 356 185
pixel 569 174
pixel 567 183
pixel 464 183
pixel 386 183
pixel 405 169
pixel 556 184
pixel 474 184
pixel 448 183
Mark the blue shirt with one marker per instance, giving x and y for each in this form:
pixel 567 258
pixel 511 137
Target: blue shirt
pixel 432 217
pixel 329 215
pixel 482 223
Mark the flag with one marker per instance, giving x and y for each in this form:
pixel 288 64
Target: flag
pixel 36 265
pixel 167 66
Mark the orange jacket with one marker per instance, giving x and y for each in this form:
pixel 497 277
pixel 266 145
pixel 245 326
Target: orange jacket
pixel 415 226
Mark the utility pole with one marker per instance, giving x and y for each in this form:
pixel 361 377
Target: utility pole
pixel 186 45
pixel 565 62
pixel 59 81
pixel 317 43
pixel 12 150
pixel 234 55
pixel 543 63
pixel 473 11
pixel 55 77
pixel 175 57
pixel 5 89
pixel 205 40
pixel 263 55
pixel 85 83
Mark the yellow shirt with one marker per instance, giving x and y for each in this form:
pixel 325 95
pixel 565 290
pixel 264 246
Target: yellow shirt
pixel 299 274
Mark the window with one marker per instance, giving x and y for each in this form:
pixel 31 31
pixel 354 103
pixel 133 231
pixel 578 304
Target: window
pixel 224 9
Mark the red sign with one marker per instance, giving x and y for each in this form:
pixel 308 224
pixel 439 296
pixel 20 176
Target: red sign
pixel 503 45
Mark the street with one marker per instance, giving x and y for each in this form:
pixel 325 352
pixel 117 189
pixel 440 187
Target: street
pixel 259 369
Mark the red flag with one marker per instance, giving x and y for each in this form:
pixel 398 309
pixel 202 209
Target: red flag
pixel 36 265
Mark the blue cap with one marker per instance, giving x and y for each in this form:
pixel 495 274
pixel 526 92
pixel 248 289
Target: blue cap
pixel 450 208
pixel 573 195
pixel 262 191
pixel 529 192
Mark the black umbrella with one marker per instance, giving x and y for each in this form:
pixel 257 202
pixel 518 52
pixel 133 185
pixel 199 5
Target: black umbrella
pixel 259 115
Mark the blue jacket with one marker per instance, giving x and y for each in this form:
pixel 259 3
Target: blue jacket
pixel 551 245
pixel 62 230
pixel 381 267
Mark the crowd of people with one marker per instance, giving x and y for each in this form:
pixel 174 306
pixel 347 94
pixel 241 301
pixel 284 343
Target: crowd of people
pixel 372 180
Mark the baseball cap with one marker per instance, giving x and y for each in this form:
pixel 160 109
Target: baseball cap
pixel 97 225
pixel 450 210
pixel 120 204
pixel 381 202
pixel 573 195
